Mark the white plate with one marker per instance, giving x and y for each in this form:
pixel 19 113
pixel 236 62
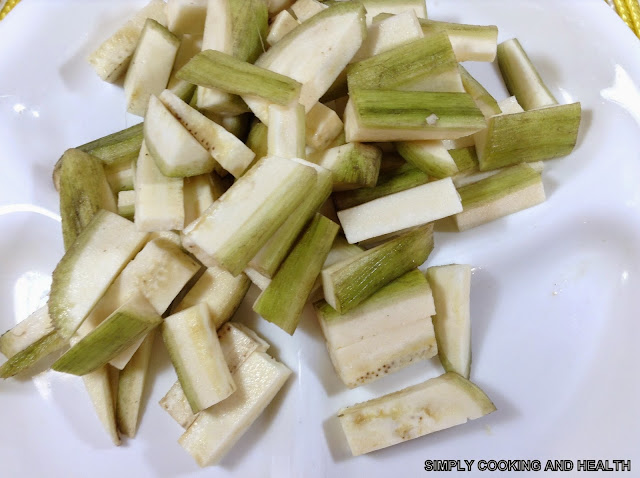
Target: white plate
pixel 555 292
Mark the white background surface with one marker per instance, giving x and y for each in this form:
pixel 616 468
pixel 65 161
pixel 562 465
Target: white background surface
pixel 555 292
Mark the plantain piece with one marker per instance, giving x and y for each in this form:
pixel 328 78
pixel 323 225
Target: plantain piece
pixel 150 67
pixel 214 69
pixel 195 352
pixel 159 202
pixel 84 190
pixel 236 226
pixel 186 17
pixel 286 133
pixel 282 301
pixel 426 64
pixel 237 28
pixel 487 103
pixel 265 263
pixel 451 286
pixel 389 32
pixel 429 156
pixel 111 59
pixel 199 193
pixel 189 47
pixel 375 219
pixel 282 24
pixel 175 151
pixel 469 42
pixel 521 77
pixel 385 115
pixel 386 332
pixel 99 386
pixel 314 53
pixel 116 148
pixel 511 190
pixel 124 327
pixel 352 165
pixel 87 269
pixel 389 182
pixel 434 405
pixel 257 139
pixel 532 135
pixel 220 291
pixel 218 428
pixel 127 204
pixel 323 126
pixel 131 385
pixel 226 151
pixel 120 176
pixel 377 7
pixel 351 281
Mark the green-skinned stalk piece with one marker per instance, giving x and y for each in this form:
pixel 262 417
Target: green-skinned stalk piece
pixel 84 190
pixel 377 219
pixel 131 387
pixel 236 226
pixel 220 291
pixel 511 190
pixel 237 28
pixel 314 53
pixel 521 77
pixel 352 165
pixel 385 115
pixel 26 332
pixel 118 147
pixel 348 283
pixel 533 135
pixel 388 331
pixel 257 139
pixel 286 134
pixel 281 303
pixel 229 153
pixel 87 269
pixel 194 349
pixel 276 249
pixel 150 67
pixel 466 159
pixel 469 42
pixel 323 126
pixel 214 69
pixel 487 103
pixel 111 59
pixel 392 181
pixel 431 157
pixel 29 356
pixel 437 404
pixel 175 150
pixel 118 331
pixel 451 286
pixel 427 64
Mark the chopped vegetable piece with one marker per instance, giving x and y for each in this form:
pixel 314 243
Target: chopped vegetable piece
pixel 282 24
pixel 127 204
pixel 186 16
pixel 87 269
pixel 427 203
pixel 451 285
pixel 352 165
pixel 469 42
pixel 487 103
pixel 195 352
pixel 521 77
pixel 283 300
pixel 286 133
pixel 199 193
pixel 351 281
pixel 120 147
pixel 511 190
pixel 236 226
pixel 323 125
pixel 434 405
pixel 429 156
pixel 389 33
